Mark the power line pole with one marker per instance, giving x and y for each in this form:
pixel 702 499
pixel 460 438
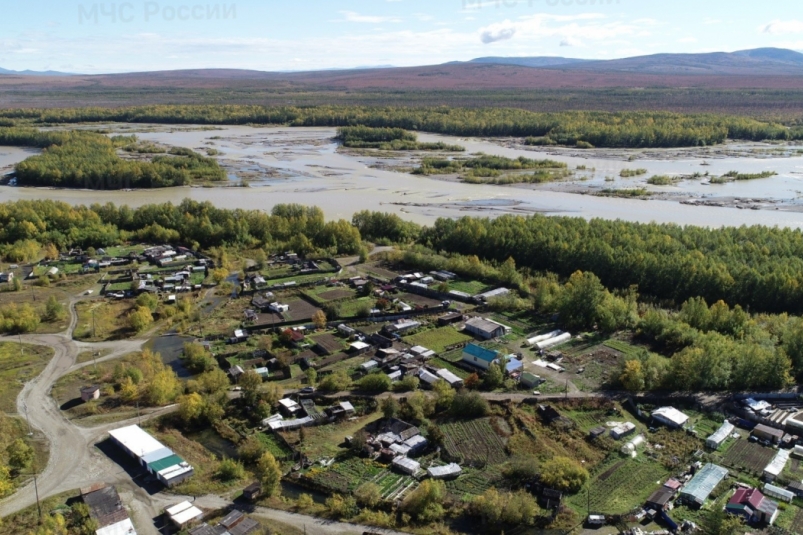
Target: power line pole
pixel 25 406
pixel 93 324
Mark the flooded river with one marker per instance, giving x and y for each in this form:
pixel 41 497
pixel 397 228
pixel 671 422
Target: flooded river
pixel 304 165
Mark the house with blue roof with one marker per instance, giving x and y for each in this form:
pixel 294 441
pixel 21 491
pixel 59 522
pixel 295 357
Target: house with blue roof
pixel 479 356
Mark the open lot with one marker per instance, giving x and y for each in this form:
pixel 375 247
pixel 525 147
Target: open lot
pixel 325 441
pixel 19 364
pixel 620 485
pixel 331 343
pixel 438 339
pixel 100 320
pixel 419 300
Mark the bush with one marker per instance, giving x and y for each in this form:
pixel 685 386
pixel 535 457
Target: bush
pixel 469 405
pixel 375 382
pixel 564 474
pixel 230 470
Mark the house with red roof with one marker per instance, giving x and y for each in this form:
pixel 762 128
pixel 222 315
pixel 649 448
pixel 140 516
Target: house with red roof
pixel 753 506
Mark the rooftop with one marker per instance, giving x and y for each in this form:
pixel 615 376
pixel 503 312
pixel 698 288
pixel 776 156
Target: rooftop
pixel 480 352
pixel 135 440
pixel 704 482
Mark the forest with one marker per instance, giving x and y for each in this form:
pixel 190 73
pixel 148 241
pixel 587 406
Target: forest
pixel 90 160
pixel 577 128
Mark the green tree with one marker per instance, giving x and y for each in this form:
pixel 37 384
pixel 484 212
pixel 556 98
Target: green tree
pixel 140 319
pixel 495 376
pixel 251 449
pixel 335 382
pixel 425 504
pixel 374 382
pixel 20 455
pixel 312 376
pixel 251 383
pixel 147 300
pixel 562 473
pixel 389 407
pixel 163 388
pixel 269 474
pixel 54 310
pixel 368 494
pixel 197 358
pixel 230 470
pixel 469 405
pixel 444 394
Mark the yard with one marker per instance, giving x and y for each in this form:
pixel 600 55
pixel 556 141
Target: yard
pixel 324 441
pixel 326 294
pixel 469 286
pixel 419 300
pixel 476 442
pixel 18 365
pixel 109 321
pixel 438 339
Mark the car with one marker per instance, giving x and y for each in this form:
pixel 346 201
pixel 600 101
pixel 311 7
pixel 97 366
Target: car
pixel 766 443
pixel 236 389
pixel 89 292
pixel 536 392
pixel 307 390
pixel 753 438
pixel 116 295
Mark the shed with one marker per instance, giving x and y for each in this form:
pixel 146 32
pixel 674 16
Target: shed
pixel 416 444
pixel 369 365
pixel 252 491
pixel 444 472
pixel 720 435
pixel 453 380
pixel 779 493
pixel 530 380
pixel 796 487
pixel 702 484
pixel 659 500
pixel 623 430
pixel 90 392
pixel 513 365
pixel 428 378
pixel 486 329
pixel 597 431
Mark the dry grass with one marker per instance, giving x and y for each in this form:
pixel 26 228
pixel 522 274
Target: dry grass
pixel 17 366
pixel 110 320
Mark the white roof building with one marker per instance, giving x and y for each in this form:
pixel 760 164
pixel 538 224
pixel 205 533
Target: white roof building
pixel 124 527
pixel 449 377
pixel 428 378
pixel 670 416
pixel 408 466
pixel 289 404
pixel 359 346
pixel 135 440
pixel 183 513
pixel 443 472
pixel 777 465
pixel 720 435
pixel 369 365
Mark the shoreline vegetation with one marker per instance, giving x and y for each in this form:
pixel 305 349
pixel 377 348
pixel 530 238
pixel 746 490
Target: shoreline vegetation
pixel 486 169
pixel 576 128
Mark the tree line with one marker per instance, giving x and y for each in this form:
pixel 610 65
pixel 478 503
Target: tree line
pixel 90 160
pixel 580 128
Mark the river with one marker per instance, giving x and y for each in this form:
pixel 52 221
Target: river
pixel 303 165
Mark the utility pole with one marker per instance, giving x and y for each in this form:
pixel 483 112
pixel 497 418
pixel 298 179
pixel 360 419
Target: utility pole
pixel 36 490
pixel 25 406
pixel 93 324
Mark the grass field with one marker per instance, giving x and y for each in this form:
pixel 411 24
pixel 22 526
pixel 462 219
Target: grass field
pixel 353 307
pixel 438 339
pixel 620 485
pixel 469 287
pixel 110 320
pixel 324 441
pixel 17 367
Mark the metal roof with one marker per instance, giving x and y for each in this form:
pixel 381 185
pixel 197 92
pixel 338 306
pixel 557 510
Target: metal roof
pixel 480 352
pixel 721 434
pixel 407 464
pixel 124 527
pixel 778 463
pixel 704 482
pixel 157 455
pixel 136 441
pixel 166 462
pixel 449 470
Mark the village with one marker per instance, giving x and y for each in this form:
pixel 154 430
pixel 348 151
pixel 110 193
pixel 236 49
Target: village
pixel 392 376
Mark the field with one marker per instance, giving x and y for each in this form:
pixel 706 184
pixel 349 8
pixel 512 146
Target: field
pixel 473 482
pixel 353 307
pixel 110 320
pixel 300 310
pixel 419 300
pixel 325 294
pixel 37 297
pixel 748 457
pixel 17 367
pixel 274 445
pixel 332 344
pixel 324 441
pixel 438 339
pixel 469 287
pixel 475 441
pixel 344 477
pixel 620 485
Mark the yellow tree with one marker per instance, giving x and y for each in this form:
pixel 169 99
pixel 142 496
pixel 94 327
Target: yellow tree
pixel 319 319
pixel 269 474
pixel 632 377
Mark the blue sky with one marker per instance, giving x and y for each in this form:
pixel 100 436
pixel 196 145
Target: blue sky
pixel 137 35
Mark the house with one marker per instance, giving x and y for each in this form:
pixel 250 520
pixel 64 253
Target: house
pixel 402 326
pixel 753 506
pixel 479 356
pixel 449 471
pixel 486 329
pixel 453 380
pixel 89 393
pixel 697 490
pixel 183 514
pixel 343 409
pixel 169 468
pixel 670 417
pixel 236 372
pixel 623 430
pixel 415 445
pixel 776 465
pixel 765 432
pixel 107 510
pixel 660 499
pixel 408 466
pixel 358 348
pixel 718 437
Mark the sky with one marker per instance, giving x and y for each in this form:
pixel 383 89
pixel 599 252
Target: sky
pixel 292 35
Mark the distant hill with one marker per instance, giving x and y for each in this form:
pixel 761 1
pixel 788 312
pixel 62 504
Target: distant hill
pixel 538 61
pixel 34 73
pixel 755 62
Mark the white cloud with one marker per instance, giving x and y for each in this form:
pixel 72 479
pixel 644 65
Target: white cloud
pixel 352 16
pixel 779 27
pixel 687 40
pixel 497 32
pixel 570 41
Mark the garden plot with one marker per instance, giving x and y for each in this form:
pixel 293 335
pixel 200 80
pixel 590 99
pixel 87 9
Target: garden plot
pixel 345 476
pixel 623 485
pixel 475 441
pixel 748 456
pixel 438 339
pixel 394 486
pixel 473 482
pixel 419 300
pixel 300 310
